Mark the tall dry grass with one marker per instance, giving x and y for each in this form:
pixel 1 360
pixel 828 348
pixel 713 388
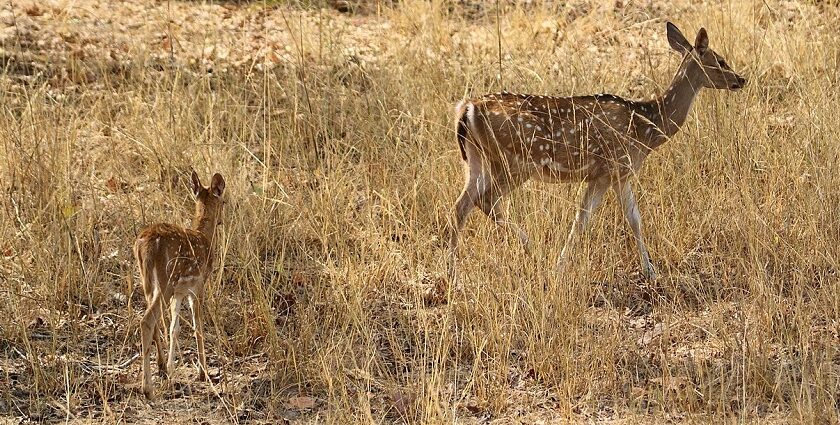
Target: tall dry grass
pixel 342 167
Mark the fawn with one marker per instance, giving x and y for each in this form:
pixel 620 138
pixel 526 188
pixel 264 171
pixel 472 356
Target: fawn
pixel 506 139
pixel 174 264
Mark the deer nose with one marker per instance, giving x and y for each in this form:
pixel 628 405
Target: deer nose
pixel 740 82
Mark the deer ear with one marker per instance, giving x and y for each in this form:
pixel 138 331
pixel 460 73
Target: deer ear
pixel 217 185
pixel 701 43
pixel 196 183
pixel 677 40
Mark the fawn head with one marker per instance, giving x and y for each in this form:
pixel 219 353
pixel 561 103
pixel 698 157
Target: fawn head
pixel 711 67
pixel 208 200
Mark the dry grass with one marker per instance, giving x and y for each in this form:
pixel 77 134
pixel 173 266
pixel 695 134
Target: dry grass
pixel 342 167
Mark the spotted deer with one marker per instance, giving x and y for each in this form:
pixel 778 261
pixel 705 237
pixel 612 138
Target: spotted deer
pixel 174 264
pixel 506 139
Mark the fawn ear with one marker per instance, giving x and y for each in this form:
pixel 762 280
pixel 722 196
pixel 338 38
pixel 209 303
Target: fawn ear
pixel 701 43
pixel 677 40
pixel 196 183
pixel 217 185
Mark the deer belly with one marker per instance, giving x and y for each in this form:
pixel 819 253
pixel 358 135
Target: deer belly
pixel 560 163
pixel 188 285
pixel 550 170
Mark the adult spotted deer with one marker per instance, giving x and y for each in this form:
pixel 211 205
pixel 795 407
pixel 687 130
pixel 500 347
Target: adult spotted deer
pixel 506 139
pixel 174 264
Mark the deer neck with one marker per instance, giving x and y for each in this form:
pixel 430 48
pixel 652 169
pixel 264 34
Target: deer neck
pixel 675 104
pixel 204 223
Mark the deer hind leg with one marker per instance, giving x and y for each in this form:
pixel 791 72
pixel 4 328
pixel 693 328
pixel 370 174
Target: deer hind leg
pixel 148 326
pixel 158 335
pixel 482 191
pixel 489 201
pixel 624 191
pixel 160 282
pixel 463 206
pixel 592 198
pixel 174 327
pixel 198 327
pixel 158 332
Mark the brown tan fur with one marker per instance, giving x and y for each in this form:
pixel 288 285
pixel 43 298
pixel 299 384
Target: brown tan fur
pixel 174 264
pixel 507 139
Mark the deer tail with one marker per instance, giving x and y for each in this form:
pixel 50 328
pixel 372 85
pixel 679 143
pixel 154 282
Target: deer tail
pixel 465 113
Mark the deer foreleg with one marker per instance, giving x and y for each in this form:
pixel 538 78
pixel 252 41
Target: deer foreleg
pixel 592 199
pixel 624 191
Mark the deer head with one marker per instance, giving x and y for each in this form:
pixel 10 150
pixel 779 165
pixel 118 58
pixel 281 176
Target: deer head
pixel 208 201
pixel 703 64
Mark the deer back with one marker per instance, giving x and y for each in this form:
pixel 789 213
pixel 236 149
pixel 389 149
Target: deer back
pixel 566 138
pixel 171 253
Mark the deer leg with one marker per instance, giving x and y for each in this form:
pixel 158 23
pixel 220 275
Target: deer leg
pixel 161 359
pixel 624 191
pixel 463 206
pixel 158 332
pixel 174 326
pixel 198 328
pixel 147 329
pixel 592 198
pixel 489 202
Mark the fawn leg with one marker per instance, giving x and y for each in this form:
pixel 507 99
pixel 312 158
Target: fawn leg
pixel 158 335
pixel 174 328
pixel 198 329
pixel 147 328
